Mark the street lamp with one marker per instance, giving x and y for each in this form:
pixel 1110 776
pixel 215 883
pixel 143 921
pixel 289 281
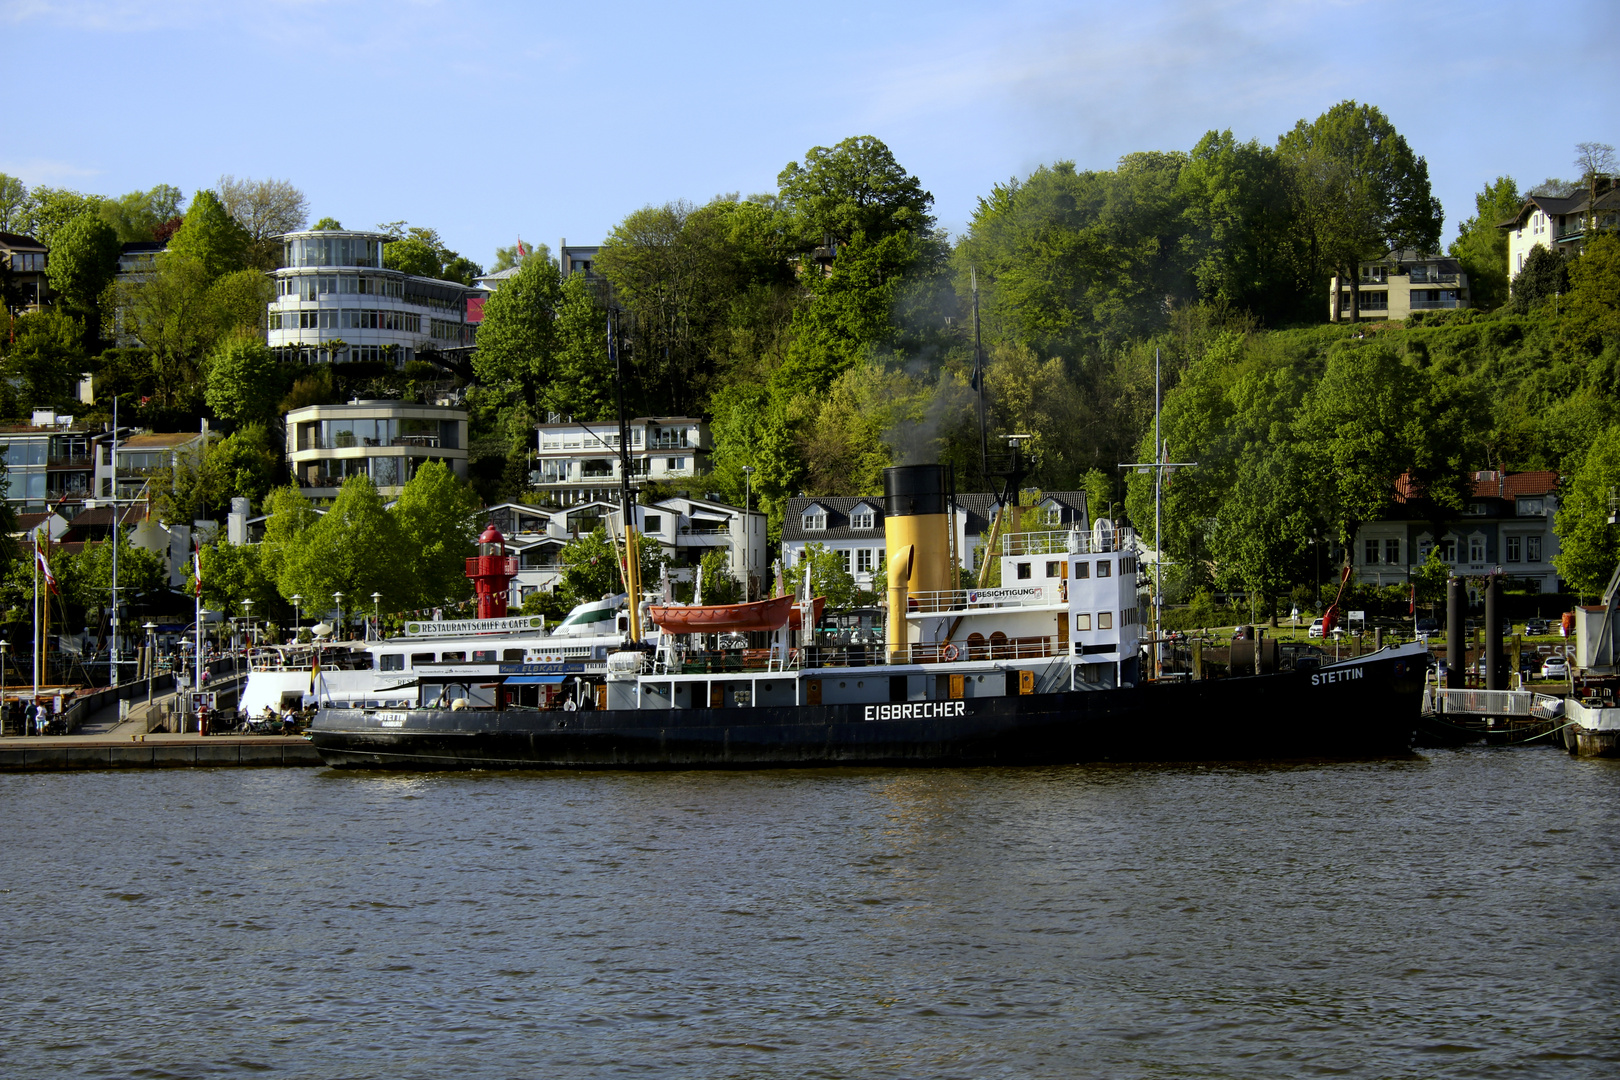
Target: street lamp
pixel 748 527
pixel 376 613
pixel 151 654
pixel 296 600
pixel 248 604
pixel 337 598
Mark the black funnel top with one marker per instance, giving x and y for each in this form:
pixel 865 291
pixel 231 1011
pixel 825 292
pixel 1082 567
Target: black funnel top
pixel 910 490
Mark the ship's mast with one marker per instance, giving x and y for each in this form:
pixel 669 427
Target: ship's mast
pixel 1158 465
pixel 632 550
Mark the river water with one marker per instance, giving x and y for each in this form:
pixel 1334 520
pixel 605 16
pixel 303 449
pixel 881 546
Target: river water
pixel 1454 914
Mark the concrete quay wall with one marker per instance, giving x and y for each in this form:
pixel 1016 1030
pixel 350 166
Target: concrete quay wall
pixel 212 752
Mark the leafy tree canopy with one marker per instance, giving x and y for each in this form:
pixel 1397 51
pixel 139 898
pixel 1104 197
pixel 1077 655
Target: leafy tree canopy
pixel 244 381
pixel 211 237
pixel 854 188
pixel 83 261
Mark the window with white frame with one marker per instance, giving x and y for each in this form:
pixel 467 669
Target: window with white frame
pixel 1448 549
pixel 1531 507
pixel 1476 549
pixel 843 558
pixel 814 520
pixel 863 560
pixel 1513 549
pixel 1371 553
pixel 1392 552
pixel 1532 549
pixel 862 517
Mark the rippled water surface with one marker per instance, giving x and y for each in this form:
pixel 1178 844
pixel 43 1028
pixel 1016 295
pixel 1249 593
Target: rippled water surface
pixel 1451 915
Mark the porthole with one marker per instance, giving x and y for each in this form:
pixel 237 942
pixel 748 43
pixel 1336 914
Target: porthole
pixel 767 686
pixel 840 686
pixel 860 684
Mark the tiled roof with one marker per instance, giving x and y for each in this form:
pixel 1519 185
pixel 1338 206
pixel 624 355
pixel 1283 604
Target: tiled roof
pixel 16 241
pixel 147 442
pixel 1492 484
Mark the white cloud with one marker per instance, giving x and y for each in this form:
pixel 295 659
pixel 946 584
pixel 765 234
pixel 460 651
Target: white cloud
pixel 35 171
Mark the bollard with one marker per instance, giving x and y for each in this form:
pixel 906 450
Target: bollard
pixel 1456 616
pixel 1494 676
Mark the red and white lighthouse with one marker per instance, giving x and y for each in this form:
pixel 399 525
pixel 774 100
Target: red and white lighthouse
pixel 492 571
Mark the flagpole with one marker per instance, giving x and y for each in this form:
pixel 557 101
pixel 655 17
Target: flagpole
pixel 36 614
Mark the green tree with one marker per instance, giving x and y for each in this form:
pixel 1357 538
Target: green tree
pixel 138 215
pixel 82 264
pixel 827 576
pixel 591 571
pixel 233 573
pixel 289 514
pixel 211 237
pixel 1481 247
pixel 434 516
pixel 49 209
pixel 1545 275
pixel 508 257
pixel 1592 315
pixel 355 549
pixel 1242 238
pixel 179 314
pixel 13 200
pixel 88 578
pixel 327 224
pixel 244 381
pixel 854 188
pixel 517 342
pixel 720 585
pixel 1589 546
pixel 265 209
pixel 245 464
pixel 44 362
pixel 1362 191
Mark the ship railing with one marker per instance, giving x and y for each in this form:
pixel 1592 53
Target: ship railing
pixel 1066 542
pixel 933 652
pixel 943 600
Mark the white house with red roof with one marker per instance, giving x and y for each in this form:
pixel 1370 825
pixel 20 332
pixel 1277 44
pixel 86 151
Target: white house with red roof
pixel 1507 526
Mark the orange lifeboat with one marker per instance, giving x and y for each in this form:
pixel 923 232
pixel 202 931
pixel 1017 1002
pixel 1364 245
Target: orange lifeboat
pixel 730 618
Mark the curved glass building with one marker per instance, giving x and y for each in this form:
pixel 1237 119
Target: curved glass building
pixel 336 303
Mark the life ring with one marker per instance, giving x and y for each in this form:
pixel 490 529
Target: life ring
pixel 950 652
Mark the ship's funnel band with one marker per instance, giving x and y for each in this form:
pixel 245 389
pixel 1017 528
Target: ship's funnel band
pixel 913 489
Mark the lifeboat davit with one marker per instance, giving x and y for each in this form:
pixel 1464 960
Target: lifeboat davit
pixel 731 618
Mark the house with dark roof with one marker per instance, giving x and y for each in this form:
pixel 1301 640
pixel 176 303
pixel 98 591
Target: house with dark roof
pixel 1507 527
pixel 1400 283
pixel 1559 223
pixel 852 525
pixel 24 259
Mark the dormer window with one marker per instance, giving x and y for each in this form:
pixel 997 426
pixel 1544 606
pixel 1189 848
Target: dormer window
pixel 814 520
pixel 863 517
pixel 1531 507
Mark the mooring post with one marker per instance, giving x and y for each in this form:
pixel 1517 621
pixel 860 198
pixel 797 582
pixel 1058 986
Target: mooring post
pixel 1495 676
pixel 1456 618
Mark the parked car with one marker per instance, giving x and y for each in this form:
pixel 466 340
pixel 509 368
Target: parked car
pixel 1315 630
pixel 1536 628
pixel 1427 628
pixel 1555 667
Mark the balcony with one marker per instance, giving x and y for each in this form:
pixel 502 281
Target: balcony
pixel 71 461
pixel 1433 305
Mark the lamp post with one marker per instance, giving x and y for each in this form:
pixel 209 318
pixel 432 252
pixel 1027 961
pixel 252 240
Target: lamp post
pixel 376 613
pixel 748 528
pixel 151 654
pixel 337 598
pixel 296 600
pixel 248 606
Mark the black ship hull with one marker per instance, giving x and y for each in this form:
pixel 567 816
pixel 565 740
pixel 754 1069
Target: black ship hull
pixel 1363 708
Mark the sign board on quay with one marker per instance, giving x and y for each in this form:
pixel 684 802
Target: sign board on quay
pixel 459 627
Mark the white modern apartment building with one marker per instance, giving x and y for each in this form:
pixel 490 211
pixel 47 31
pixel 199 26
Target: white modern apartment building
pixel 335 302
pixel 385 440
pixel 686 529
pixel 579 462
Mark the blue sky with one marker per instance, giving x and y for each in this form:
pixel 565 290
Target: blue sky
pixel 487 120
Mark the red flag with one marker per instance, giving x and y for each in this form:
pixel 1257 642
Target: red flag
pixel 196 560
pixel 523 252
pixel 45 568
pixel 1411 608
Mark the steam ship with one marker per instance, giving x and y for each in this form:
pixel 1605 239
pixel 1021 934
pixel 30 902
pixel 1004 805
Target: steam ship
pixel 1054 667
